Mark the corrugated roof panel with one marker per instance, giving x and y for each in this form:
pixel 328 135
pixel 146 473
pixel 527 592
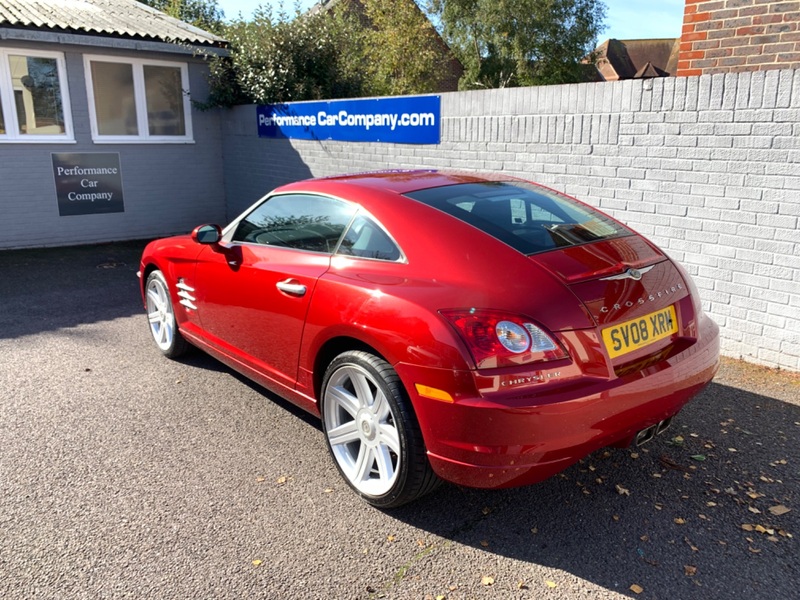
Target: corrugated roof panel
pixel 108 17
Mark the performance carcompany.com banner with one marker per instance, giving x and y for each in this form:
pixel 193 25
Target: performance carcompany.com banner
pixel 406 120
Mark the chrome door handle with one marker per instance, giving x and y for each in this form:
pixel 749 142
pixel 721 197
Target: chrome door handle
pixel 295 289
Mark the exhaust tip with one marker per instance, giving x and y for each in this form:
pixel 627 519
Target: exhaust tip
pixel 648 433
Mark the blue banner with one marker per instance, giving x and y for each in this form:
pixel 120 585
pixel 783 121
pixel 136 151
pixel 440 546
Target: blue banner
pixel 404 120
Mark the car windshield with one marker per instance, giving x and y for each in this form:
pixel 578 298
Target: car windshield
pixel 525 216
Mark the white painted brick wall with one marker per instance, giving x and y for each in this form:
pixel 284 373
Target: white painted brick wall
pixel 708 167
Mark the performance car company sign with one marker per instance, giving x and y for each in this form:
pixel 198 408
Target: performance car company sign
pixel 406 120
pixel 88 183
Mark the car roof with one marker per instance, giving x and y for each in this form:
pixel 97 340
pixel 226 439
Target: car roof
pixel 401 181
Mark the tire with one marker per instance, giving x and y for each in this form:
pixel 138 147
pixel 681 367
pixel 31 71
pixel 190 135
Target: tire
pixel 372 432
pixel 161 317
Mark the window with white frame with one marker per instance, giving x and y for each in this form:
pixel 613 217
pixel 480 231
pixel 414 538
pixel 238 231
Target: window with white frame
pixel 134 100
pixel 34 100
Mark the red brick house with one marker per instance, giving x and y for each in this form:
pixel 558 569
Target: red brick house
pixel 725 36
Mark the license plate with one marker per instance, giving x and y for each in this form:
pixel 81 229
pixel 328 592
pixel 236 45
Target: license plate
pixel 640 332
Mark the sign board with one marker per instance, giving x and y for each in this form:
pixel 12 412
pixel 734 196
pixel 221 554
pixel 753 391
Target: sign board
pixel 403 120
pixel 87 184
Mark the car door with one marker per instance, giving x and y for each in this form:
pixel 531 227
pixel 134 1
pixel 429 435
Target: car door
pixel 255 288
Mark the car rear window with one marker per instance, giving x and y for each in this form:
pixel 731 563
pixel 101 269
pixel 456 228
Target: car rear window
pixel 525 216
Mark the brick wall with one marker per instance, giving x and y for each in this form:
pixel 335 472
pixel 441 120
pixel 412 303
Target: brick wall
pixel 724 36
pixel 708 167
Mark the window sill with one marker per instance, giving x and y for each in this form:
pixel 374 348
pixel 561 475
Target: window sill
pixel 4 140
pixel 140 141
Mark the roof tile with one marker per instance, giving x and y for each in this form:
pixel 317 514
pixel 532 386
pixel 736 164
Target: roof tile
pixel 104 17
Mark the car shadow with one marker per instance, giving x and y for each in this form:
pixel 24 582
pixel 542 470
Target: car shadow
pixel 685 516
pixel 198 359
pixel 45 289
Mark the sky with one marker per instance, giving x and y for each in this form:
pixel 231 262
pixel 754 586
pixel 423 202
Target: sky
pixel 625 19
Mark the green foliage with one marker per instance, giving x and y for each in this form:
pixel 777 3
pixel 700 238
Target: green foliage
pixel 204 14
pixel 504 43
pixel 275 58
pixel 402 51
pixel 352 48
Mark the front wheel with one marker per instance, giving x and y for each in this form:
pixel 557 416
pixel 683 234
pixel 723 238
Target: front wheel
pixel 372 432
pixel 161 317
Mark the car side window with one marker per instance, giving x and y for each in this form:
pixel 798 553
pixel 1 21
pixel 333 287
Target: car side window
pixel 366 239
pixel 300 221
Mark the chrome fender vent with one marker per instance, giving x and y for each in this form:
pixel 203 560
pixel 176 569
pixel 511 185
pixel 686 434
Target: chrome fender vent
pixel 186 294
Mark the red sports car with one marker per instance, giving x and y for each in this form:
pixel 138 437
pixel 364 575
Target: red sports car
pixel 478 329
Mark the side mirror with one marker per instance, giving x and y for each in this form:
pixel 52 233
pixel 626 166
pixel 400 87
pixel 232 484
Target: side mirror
pixel 207 234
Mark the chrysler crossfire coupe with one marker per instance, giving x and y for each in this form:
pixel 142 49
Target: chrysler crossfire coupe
pixel 481 330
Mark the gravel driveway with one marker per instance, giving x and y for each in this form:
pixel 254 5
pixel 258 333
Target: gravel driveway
pixel 127 475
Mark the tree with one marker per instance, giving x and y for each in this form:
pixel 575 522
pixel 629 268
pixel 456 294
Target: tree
pixel 277 58
pixel 344 49
pixel 504 43
pixel 402 52
pixel 204 14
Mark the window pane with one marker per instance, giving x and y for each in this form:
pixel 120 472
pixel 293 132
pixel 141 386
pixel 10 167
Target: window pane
pixel 114 103
pixel 2 122
pixel 164 100
pixel 524 216
pixel 312 223
pixel 37 95
pixel 368 240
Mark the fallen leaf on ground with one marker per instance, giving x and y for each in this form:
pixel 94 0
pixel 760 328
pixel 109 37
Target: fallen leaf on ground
pixel 487 580
pixel 689 570
pixel 679 521
pixel 667 462
pixel 698 457
pixel 257 563
pixel 623 491
pixel 754 510
pixel 636 589
pixel 390 538
pixel 521 585
pixel 779 510
pixel 485 543
pixel 550 584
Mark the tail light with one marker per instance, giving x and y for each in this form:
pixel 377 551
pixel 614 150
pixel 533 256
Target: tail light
pixel 500 339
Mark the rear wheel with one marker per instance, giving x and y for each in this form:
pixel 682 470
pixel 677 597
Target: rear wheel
pixel 161 317
pixel 372 432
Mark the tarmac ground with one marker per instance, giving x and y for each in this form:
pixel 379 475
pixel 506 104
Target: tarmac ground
pixel 126 475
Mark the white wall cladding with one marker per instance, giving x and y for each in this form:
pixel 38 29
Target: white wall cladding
pixel 167 188
pixel 708 167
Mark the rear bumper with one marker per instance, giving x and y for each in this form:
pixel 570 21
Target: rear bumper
pixel 512 439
